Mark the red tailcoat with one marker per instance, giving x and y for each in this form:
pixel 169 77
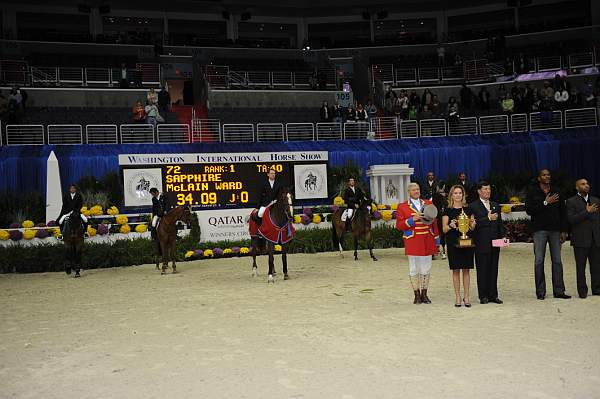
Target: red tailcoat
pixel 419 239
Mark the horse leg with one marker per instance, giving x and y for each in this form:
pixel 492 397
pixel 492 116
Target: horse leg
pixel 77 258
pixel 271 249
pixel 68 257
pixel 369 239
pixel 157 254
pixel 165 258
pixel 355 238
pixel 174 257
pixel 254 250
pixel 284 262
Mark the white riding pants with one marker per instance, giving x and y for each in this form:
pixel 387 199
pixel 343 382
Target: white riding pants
pixel 419 265
pixel 154 221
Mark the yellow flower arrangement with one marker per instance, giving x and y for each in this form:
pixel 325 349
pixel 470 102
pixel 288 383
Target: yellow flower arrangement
pixel 208 253
pixel 29 234
pixel 125 229
pixel 297 219
pixel 394 206
pixel 316 219
pixel 96 210
pixel 381 207
pixel 506 208
pixel 113 210
pixel 386 215
pixel 27 224
pixel 373 207
pixel 56 232
pixel 339 201
pixel 278 248
pixel 4 235
pixel 141 228
pixel 514 200
pixel 91 231
pixel 244 250
pixel 188 254
pixel 83 209
pixel 227 251
pixel 122 219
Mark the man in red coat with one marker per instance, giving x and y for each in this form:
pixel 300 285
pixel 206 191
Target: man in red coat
pixel 421 240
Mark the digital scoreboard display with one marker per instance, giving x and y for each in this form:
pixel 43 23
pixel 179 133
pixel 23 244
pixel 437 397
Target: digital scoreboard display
pixel 220 185
pixel 218 181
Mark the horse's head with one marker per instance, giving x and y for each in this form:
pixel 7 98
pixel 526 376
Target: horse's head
pixel 73 225
pixel 186 214
pixel 285 199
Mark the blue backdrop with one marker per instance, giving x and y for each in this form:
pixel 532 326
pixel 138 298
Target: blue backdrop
pixel 575 152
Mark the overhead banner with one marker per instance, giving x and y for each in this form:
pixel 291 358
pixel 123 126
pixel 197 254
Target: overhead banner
pixel 310 181
pixel 223 225
pixel 137 184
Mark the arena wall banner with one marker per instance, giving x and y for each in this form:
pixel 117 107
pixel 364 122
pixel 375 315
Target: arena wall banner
pixel 137 183
pixel 223 225
pixel 310 181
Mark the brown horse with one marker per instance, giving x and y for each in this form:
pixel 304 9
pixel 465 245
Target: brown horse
pixel 276 228
pixel 361 228
pixel 167 235
pixel 72 232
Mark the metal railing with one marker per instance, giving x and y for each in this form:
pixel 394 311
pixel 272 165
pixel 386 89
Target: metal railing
pixel 381 128
pixel 581 60
pixel 65 134
pixel 549 63
pixel 98 76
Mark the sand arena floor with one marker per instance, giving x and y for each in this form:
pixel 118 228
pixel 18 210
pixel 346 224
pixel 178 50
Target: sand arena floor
pixel 336 329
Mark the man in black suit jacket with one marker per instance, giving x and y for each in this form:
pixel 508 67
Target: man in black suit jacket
pixel 584 217
pixel 488 227
pixel 429 187
pixel 268 192
pixel 72 202
pixel 353 196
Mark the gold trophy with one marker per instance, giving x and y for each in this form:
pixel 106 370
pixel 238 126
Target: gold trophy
pixel 463 227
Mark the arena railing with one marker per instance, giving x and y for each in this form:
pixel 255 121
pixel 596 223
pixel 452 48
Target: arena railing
pixel 581 60
pixel 404 75
pixel 98 76
pixel 101 134
pixel 150 73
pixel 270 132
pixel 453 73
pixel 238 132
pixel 584 117
pixel 546 120
pixel 71 76
pixel 282 79
pixel 493 124
pixel 173 133
pixel 65 134
pixel 549 63
pixel 206 130
pixel 356 130
pixel 465 126
pixel 519 123
pixel 137 134
pixel 385 128
pixel 409 129
pixel 300 131
pixel 433 127
pixel 25 135
pixel 329 131
pixel 44 75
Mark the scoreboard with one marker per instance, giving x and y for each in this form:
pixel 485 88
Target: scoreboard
pixel 216 181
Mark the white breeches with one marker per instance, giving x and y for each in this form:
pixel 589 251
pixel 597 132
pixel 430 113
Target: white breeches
pixel 347 214
pixel 419 265
pixel 154 221
pixel 261 211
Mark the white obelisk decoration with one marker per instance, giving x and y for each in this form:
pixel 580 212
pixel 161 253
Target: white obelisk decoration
pixel 53 188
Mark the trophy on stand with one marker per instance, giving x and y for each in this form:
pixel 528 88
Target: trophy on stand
pixel 463 227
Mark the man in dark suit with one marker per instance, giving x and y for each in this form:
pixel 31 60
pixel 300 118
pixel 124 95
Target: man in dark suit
pixel 488 227
pixel 72 202
pixel 268 193
pixel 429 187
pixel 549 226
pixel 584 218
pixel 353 196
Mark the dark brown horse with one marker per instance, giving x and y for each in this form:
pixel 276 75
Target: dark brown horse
pixel 276 228
pixel 167 235
pixel 72 232
pixel 361 228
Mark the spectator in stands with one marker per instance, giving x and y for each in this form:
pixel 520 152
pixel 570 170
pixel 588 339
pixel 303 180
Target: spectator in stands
pixel 501 94
pixel 484 99
pixel 164 99
pixel 325 113
pixel 413 112
pixel 559 84
pixel 336 113
pixel 426 112
pixel 547 92
pixel 139 115
pixel 24 96
pixel 426 98
pixel 350 113
pixel 508 105
pixel 153 117
pixel 436 106
pixel 465 97
pixel 413 99
pixel 528 95
pixel 361 114
pixel 453 115
pixel 404 104
pixel 371 109
pixel 587 92
pixel 3 106
pixel 441 53
pixel 124 84
pixel 519 101
pixel 152 97
pixel 312 81
pixel 388 105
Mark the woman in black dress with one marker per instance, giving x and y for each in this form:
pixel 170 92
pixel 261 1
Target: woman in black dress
pixel 458 258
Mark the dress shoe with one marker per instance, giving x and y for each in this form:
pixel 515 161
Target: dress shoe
pixel 582 296
pixel 541 297
pixel 497 300
pixel 483 301
pixel 562 296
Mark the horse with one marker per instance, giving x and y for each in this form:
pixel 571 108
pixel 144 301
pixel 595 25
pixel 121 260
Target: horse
pixel 361 227
pixel 73 233
pixel 276 228
pixel 167 233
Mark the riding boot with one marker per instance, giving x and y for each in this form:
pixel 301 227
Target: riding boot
pixel 256 218
pixel 415 282
pixel 424 287
pixel 348 224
